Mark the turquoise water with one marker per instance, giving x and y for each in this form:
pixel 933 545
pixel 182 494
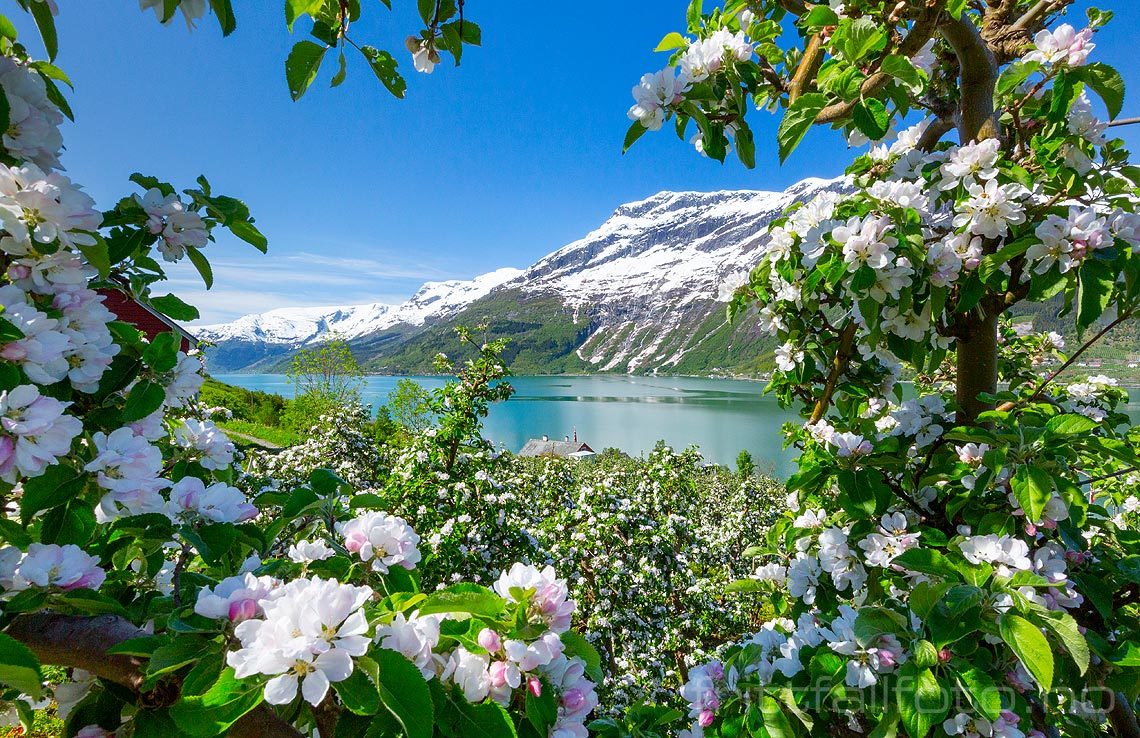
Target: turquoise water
pixel 721 416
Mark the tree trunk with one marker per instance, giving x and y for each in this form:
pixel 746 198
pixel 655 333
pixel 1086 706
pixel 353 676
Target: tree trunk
pixel 977 120
pixel 977 368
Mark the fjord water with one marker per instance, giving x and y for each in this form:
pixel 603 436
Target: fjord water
pixel 721 416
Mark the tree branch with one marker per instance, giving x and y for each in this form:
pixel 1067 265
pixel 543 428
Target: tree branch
pixel 978 75
pixel 934 132
pixel 838 366
pixel 82 642
pixel 809 65
pixel 1006 407
pixel 922 31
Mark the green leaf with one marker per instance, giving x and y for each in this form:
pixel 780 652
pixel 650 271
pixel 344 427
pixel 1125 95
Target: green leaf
pixel 983 694
pixel 1030 646
pixel 1033 488
pixel 926 561
pixel 1105 82
pixel 775 720
pixel 161 354
pixel 404 692
pixel 384 66
pixel 358 693
pixel 301 66
pixel 41 12
pixel 248 232
pixel 542 711
pixel 70 523
pixel 464 597
pixel 173 656
pixel 672 41
pixel 797 120
pixel 142 646
pixel 144 399
pixel 486 720
pixel 294 9
pixel 956 7
pixel 58 485
pixel 858 38
pixel 341 71
pixel 920 699
pixel 871 623
pixel 98 254
pixel 819 17
pixel 88 602
pixel 19 667
pixel 904 71
pixel 224 11
pixel 745 146
pixel 575 645
pixel 214 711
pixel 202 265
pixel 1070 425
pixel 1096 282
pixel 1064 627
pixel 871 118
pixel 636 131
pixel 9 332
pixel 173 306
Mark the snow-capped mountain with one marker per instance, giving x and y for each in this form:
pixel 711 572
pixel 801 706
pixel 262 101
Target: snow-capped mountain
pixel 637 294
pixel 310 325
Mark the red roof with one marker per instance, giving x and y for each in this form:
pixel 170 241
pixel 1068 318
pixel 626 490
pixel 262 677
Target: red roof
pixel 146 319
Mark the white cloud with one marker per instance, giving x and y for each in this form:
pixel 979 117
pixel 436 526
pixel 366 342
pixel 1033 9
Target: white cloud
pixel 259 283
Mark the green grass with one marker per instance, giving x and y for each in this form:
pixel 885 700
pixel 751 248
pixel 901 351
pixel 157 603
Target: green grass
pixel 276 436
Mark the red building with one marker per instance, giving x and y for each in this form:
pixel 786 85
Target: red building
pixel 148 320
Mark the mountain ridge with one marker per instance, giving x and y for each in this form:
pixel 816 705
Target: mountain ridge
pixel 637 294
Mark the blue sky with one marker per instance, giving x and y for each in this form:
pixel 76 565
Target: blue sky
pixel 363 197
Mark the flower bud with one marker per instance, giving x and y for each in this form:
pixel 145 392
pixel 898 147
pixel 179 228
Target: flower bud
pixel 534 686
pixel 489 640
pixel 242 610
pixel 705 719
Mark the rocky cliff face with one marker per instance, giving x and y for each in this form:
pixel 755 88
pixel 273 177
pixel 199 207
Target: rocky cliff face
pixel 638 294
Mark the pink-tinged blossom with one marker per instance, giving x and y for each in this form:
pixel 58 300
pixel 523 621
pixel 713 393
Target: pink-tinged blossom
pixel 865 242
pixel 219 502
pixel 60 567
pixel 383 539
pixel 42 350
pixel 470 672
pixel 33 119
pixel 415 637
pixel 211 446
pixel 236 598
pixel 991 209
pixel 34 432
pixel 306 552
pixel 653 96
pixel 309 633
pixel 1065 45
pixel 549 600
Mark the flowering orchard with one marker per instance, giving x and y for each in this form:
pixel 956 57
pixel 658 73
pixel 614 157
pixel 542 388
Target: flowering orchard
pixel 965 561
pixel 135 553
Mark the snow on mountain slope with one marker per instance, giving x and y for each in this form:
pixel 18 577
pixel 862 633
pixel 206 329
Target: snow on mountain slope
pixel 308 325
pixel 652 272
pixel 685 242
pixel 639 293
